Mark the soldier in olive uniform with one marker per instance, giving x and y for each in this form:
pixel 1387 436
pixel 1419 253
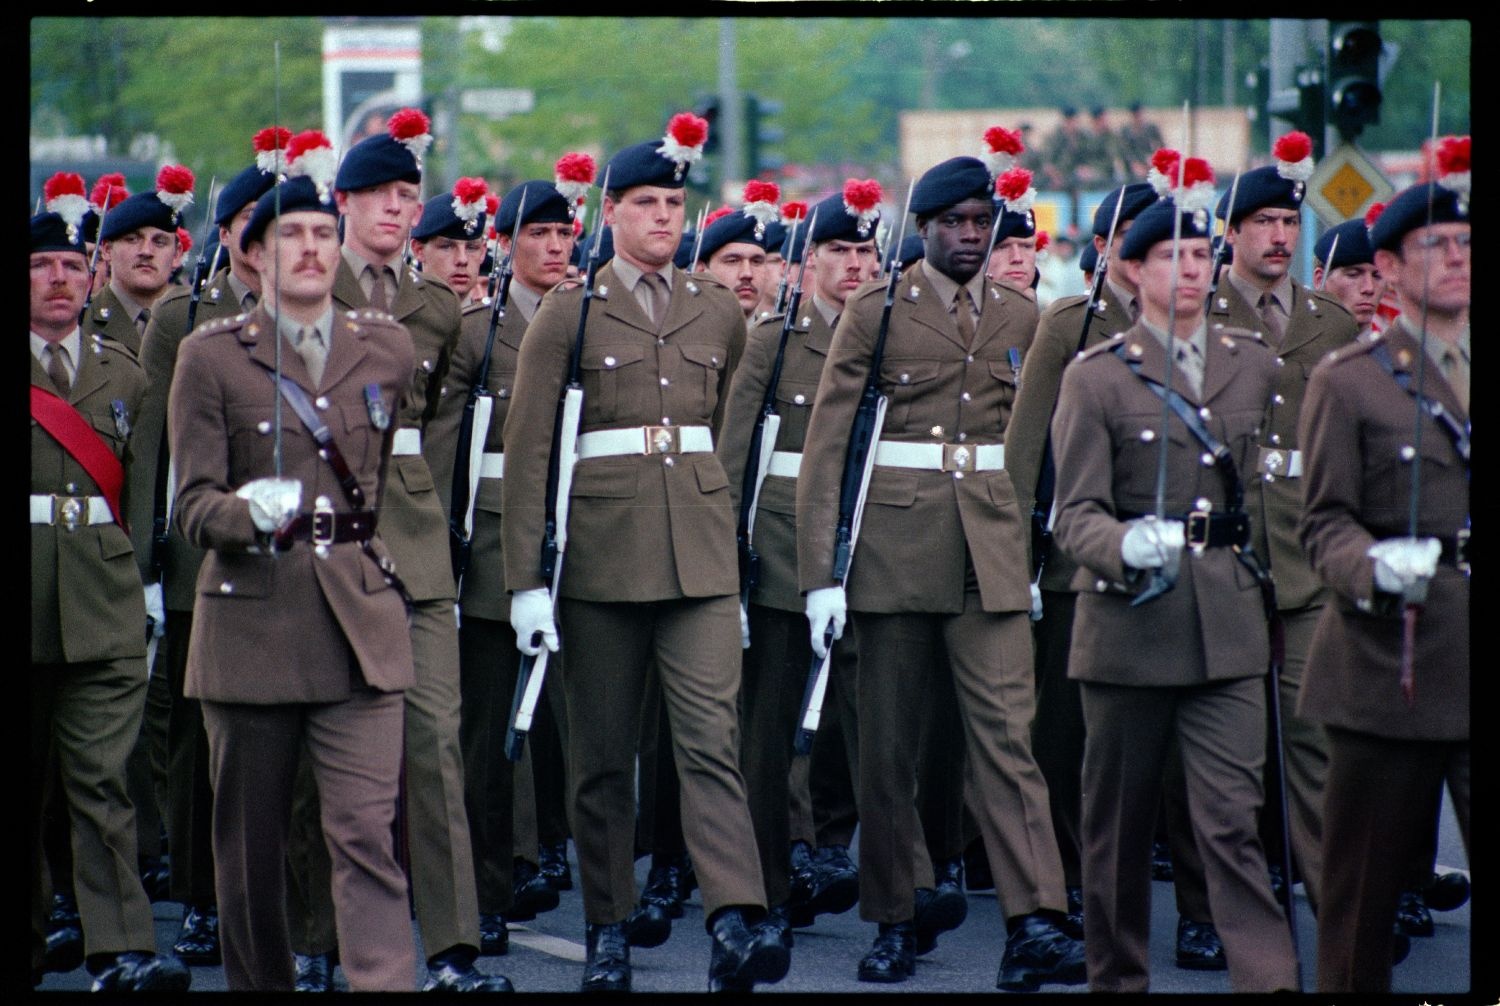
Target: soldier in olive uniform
pixel 140 241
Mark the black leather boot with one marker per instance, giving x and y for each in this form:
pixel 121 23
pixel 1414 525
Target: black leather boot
pixel 669 883
pixel 1038 953
pixel 741 954
pixel 314 973
pixel 198 940
pixel 893 957
pixel 453 971
pixel 533 893
pixel 1198 946
pixel 494 935
pixel 608 966
pixel 1073 924
pixel 822 883
pixel 648 926
pixel 553 858
pixel 937 911
pixel 1447 891
pixel 136 971
pixel 1412 914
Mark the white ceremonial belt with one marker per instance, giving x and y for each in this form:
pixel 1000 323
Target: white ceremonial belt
pixel 645 440
pixel 1279 463
pixel 408 441
pixel 70 510
pixel 785 463
pixel 941 457
pixel 492 465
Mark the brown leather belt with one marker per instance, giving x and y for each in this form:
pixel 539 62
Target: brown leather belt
pixel 324 527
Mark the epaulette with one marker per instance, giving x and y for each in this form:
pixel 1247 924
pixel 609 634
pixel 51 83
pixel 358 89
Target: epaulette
pixel 172 293
pixel 100 342
pixel 1062 305
pixel 370 314
pixel 1235 332
pixel 1321 300
pixel 1107 346
pixel 1359 347
pixel 712 280
pixel 232 322
pixel 470 306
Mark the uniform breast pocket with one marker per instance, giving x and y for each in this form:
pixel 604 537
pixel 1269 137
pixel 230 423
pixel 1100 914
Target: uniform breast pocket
pixel 611 381
pixel 700 377
pixel 252 435
pixel 502 384
pixel 906 380
pixel 109 432
pixel 1137 450
pixel 1004 377
pixel 794 404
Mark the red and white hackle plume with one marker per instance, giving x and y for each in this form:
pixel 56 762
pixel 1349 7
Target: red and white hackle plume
pixel 1043 239
pixel 311 153
pixel 1163 171
pixel 793 209
pixel 1294 160
pixel 109 191
pixel 574 174
pixel 761 199
pixel 184 240
pixel 469 202
pixel 271 149
pixel 174 186
pixel 718 214
pixel 862 201
pixel 1373 214
pixel 1453 168
pixel 1197 192
pixel 683 144
pixel 410 127
pixel 1002 147
pixel 1015 188
pixel 64 196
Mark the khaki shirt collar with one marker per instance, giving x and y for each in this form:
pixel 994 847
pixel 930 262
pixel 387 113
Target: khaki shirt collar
pixel 828 311
pixel 1281 293
pixel 132 307
pixel 630 275
pixel 945 287
pixel 525 300
pixel 72 342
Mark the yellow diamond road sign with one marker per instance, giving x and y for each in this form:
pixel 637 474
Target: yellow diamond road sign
pixel 1345 185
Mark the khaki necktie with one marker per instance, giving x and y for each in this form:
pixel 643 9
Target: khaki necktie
pixel 142 320
pixel 1456 373
pixel 657 296
pixel 1271 318
pixel 57 369
pixel 1190 362
pixel 964 317
pixel 248 304
pixel 379 300
pixel 309 345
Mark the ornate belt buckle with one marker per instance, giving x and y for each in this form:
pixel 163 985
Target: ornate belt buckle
pixel 68 509
pixel 662 440
pixel 958 458
pixel 1197 530
pixel 1273 462
pixel 1461 550
pixel 323 523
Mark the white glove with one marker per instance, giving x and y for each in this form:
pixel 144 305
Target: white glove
pixel 1036 603
pixel 826 607
pixel 531 613
pixel 744 629
pixel 273 502
pixel 156 610
pixel 1152 544
pixel 1404 565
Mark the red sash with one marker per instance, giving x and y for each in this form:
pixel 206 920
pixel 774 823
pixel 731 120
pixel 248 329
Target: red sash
pixel 78 437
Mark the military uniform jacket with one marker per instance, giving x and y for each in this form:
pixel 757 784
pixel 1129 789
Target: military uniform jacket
pixel 1055 346
pixel 272 629
pixel 412 520
pixel 1357 427
pixel 1106 435
pixel 86 600
pixel 483 590
pixel 641 527
pixel 108 317
pixel 919 525
pixel 775 533
pixel 159 346
pixel 1318 325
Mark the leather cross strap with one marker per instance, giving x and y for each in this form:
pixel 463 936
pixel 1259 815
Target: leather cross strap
pixel 1458 433
pixel 78 437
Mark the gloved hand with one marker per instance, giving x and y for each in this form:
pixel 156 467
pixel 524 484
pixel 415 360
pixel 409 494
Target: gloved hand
pixel 156 610
pixel 826 606
pixel 1404 565
pixel 744 628
pixel 531 613
pixel 273 502
pixel 1153 544
pixel 1036 603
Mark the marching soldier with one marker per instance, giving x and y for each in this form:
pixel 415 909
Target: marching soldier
pixel 1013 262
pixel 651 560
pixel 735 257
pixel 88 673
pixel 140 241
pixel 1344 268
pixel 1393 698
pixel 1191 663
pixel 937 584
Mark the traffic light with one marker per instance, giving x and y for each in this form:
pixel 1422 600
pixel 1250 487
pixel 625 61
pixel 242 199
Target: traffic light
pixel 1305 106
pixel 1354 75
pixel 707 107
pixel 761 135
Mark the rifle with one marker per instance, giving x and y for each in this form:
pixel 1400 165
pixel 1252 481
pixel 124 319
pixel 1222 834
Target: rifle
pixel 477 409
pixel 763 440
pixel 533 672
pixel 88 298
pixel 786 255
pixel 859 463
pixel 1333 249
pixel 698 239
pixel 1213 281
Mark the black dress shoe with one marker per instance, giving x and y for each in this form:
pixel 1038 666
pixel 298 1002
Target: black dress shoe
pixel 1412 914
pixel 669 883
pixel 198 940
pixel 531 894
pixel 462 976
pixel 1161 861
pixel 779 919
pixel 314 973
pixel 741 955
pixel 156 877
pixel 1039 953
pixel 937 911
pixel 553 858
pixel 648 926
pixel 494 935
pixel 134 971
pixel 948 874
pixel 1447 891
pixel 64 945
pixel 977 867
pixel 1072 924
pixel 893 958
pixel 822 883
pixel 1198 946
pixel 608 966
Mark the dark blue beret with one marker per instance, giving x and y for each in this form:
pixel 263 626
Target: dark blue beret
pixel 728 229
pixel 1261 188
pixel 242 190
pixel 544 205
pixel 1138 196
pixel 585 244
pixel 49 232
pixel 644 164
pixel 90 226
pixel 775 239
pixel 1353 245
pixel 488 265
pixel 912 249
pixel 439 221
pixel 1015 225
pixel 144 209
pixel 836 223
pixel 1089 260
pixel 950 183
pixel 1408 211
pixel 297 195
pixel 376 160
pixel 684 257
pixel 1155 225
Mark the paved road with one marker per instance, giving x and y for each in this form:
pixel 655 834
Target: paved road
pixel 546 954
